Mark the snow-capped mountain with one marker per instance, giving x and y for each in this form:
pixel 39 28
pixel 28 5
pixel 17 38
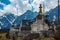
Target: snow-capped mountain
pixel 28 15
pixel 9 19
pixel 52 13
pixel 6 21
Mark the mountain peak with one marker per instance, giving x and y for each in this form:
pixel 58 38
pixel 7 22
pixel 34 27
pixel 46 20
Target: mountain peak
pixel 52 13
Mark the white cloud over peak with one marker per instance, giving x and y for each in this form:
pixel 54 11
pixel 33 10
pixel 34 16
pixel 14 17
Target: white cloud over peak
pixel 21 6
pixel 12 0
pixel 59 1
pixel 51 4
pixel 1 12
pixel 10 8
pixel 18 7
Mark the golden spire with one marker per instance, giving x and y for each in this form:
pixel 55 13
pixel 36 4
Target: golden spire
pixel 40 12
pixel 40 9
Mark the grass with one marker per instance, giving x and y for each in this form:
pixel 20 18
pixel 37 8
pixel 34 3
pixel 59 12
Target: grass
pixel 47 39
pixel 3 36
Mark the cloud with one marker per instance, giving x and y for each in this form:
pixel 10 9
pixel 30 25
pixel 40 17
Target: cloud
pixel 12 0
pixel 36 4
pixel 9 8
pixel 59 1
pixel 21 6
pixel 47 5
pixel 51 4
pixel 30 1
pixel 2 3
pixel 18 7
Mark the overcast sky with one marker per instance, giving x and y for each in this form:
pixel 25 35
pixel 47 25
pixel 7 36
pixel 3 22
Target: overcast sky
pixel 19 7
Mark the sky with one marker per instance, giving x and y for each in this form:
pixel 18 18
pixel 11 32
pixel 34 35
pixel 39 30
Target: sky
pixel 19 7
